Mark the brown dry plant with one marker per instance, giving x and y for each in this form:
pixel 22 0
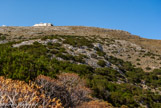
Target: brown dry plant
pixel 68 87
pixel 18 94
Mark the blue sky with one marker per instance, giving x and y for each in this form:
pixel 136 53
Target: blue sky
pixel 139 17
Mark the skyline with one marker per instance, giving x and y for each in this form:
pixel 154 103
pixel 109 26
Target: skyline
pixel 140 18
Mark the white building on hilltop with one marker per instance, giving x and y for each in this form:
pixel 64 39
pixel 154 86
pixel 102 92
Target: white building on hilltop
pixel 44 24
pixel 3 25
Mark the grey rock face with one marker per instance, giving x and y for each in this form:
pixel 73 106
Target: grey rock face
pixel 3 42
pixel 99 46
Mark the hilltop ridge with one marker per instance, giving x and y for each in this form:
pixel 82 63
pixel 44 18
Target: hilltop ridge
pixel 33 32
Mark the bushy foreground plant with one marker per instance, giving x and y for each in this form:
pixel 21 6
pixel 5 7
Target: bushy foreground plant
pixel 18 94
pixel 68 87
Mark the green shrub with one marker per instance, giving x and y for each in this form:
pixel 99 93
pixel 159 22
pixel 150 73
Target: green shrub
pixel 148 68
pixel 77 41
pixel 2 37
pixel 137 59
pixel 138 64
pixel 101 53
pixel 29 61
pixel 101 63
pixel 44 38
pixel 53 51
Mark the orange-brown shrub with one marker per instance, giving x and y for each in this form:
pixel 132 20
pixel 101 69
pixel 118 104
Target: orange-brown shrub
pixel 124 106
pixel 95 104
pixel 68 87
pixel 18 94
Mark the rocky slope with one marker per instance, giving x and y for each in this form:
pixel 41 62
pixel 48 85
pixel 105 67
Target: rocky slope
pixel 144 53
pixel 118 67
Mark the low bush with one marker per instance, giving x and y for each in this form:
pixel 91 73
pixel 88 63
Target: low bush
pixel 148 68
pixel 101 63
pixel 68 87
pixel 95 104
pixel 77 41
pixel 2 36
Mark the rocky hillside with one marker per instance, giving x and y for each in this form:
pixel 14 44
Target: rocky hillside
pixel 144 53
pixel 118 67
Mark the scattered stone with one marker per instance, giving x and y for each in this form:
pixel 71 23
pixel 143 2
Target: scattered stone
pixel 99 46
pixel 3 41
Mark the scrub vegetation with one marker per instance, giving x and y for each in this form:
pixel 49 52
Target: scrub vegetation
pixel 78 67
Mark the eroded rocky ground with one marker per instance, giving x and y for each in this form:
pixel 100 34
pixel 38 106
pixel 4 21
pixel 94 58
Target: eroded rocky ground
pixel 122 49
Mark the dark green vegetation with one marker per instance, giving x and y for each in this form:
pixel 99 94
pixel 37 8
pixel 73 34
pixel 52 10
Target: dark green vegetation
pixel 2 36
pixel 75 41
pixel 101 63
pixel 27 62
